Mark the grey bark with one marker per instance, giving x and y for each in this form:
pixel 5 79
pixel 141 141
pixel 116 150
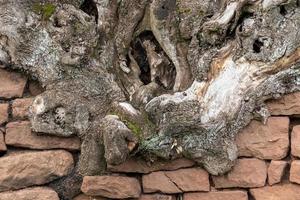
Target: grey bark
pixel 159 79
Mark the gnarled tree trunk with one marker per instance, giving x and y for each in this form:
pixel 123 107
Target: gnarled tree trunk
pixel 159 79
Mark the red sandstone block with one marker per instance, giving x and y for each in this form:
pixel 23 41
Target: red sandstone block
pixel 182 180
pixel 295 141
pixel 288 105
pixel 247 173
pixel 85 197
pixel 116 187
pixel 157 197
pixel 219 195
pixel 270 141
pixel 276 171
pixel 2 143
pixel 295 172
pixel 19 134
pixel 35 88
pixel 277 192
pixel 11 84
pixel 190 180
pixel 32 193
pixel 3 113
pixel 20 108
pixel 159 182
pixel 31 168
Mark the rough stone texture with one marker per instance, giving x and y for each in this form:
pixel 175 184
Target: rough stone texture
pixel 116 187
pixel 117 138
pixel 68 186
pixel 2 130
pixel 157 197
pixel 85 197
pixel 159 182
pixel 182 180
pixel 64 56
pixel 287 105
pixel 75 56
pixel 82 197
pixel 270 141
pixel 189 111
pixel 277 192
pixel 19 134
pixel 133 165
pixel 295 141
pixel 247 173
pixel 35 88
pixel 188 180
pixel 276 171
pixel 20 108
pixel 2 143
pixel 295 171
pixel 221 195
pixel 211 125
pixel 11 84
pixel 33 168
pixel 3 113
pixel 34 193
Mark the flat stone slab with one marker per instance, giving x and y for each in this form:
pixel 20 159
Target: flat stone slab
pixel 20 108
pixel 172 182
pixel 247 173
pixel 33 168
pixel 295 171
pixel 19 134
pixel 276 171
pixel 269 141
pixel 11 84
pixel 85 197
pixel 2 143
pixel 157 197
pixel 295 141
pixel 3 113
pixel 221 195
pixel 287 105
pixel 115 187
pixel 34 193
pixel 277 192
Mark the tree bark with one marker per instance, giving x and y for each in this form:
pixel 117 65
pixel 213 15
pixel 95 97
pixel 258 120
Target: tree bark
pixel 158 79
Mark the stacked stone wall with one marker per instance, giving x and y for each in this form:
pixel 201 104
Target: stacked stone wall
pixel 34 166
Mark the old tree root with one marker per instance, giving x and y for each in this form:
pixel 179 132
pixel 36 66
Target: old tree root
pixel 159 79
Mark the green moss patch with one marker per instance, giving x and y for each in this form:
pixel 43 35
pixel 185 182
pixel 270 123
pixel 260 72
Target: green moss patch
pixel 133 126
pixel 46 10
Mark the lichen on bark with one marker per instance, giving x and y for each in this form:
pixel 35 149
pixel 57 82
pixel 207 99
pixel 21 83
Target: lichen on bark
pixel 159 79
